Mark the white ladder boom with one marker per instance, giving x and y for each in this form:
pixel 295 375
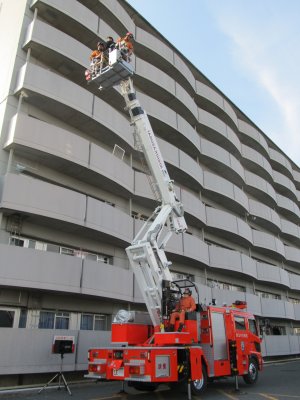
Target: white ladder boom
pixel 146 253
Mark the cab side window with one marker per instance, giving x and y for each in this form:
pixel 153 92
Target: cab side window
pixel 240 323
pixel 253 327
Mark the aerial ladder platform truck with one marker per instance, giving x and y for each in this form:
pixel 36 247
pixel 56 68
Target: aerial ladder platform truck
pixel 215 342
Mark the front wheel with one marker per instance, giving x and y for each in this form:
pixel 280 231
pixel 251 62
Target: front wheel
pixel 199 385
pixel 252 375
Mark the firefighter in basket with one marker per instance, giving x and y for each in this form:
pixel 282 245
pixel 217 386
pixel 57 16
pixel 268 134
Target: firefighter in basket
pixel 125 45
pixel 185 304
pixel 99 60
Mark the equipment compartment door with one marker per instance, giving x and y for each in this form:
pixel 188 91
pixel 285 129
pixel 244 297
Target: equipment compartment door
pixel 219 336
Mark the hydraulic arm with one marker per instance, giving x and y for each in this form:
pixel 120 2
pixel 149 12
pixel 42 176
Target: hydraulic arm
pixel 146 253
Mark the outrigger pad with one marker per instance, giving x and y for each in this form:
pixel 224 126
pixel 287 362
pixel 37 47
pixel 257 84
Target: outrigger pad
pixel 115 72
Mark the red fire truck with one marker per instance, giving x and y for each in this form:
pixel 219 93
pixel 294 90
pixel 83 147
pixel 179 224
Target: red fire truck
pixel 215 341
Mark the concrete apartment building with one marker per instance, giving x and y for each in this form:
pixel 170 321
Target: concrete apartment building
pixel 73 190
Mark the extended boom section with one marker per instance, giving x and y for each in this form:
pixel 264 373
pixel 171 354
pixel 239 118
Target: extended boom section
pixel 146 254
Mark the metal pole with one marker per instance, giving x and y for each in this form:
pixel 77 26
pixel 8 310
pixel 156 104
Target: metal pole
pixel 189 390
pixel 236 384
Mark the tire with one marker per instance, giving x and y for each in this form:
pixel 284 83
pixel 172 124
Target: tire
pixel 198 386
pixel 145 386
pixel 251 377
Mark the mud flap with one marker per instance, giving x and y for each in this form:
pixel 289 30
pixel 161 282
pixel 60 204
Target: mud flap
pixel 196 363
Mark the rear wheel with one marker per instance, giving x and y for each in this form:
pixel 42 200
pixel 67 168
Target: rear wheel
pixel 199 385
pixel 252 375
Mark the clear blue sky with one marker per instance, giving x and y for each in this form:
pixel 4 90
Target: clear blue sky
pixel 250 49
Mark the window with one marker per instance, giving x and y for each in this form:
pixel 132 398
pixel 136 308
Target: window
pixel 6 318
pixel 213 243
pixel 179 275
pixel 253 326
pixel 43 246
pixel 225 286
pixel 95 322
pixel 140 216
pixel 104 259
pixel 23 318
pixel 62 320
pixel 239 323
pixel 67 251
pixel 52 320
pixel 87 322
pixel 295 301
pixel 268 295
pixel 15 241
pixel 46 320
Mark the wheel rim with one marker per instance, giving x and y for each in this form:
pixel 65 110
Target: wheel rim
pixel 252 371
pixel 198 383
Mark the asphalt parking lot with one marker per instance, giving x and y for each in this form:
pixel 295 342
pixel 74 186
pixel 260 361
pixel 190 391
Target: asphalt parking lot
pixel 278 381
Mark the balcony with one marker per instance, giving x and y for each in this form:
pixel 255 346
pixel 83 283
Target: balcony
pixel 195 249
pixel 295 284
pixel 142 188
pixel 225 259
pixel 273 308
pixel 108 220
pixel 212 101
pixel 184 104
pixel 228 226
pixel 272 274
pixel 249 266
pixel 156 52
pixel 24 194
pixel 63 151
pixel 253 138
pixel 221 161
pixel 57 49
pixel 219 132
pixel 281 163
pixel 268 244
pixel 291 231
pixel 296 176
pixel 116 10
pixel 292 255
pixel 284 185
pixel 260 189
pixel 254 161
pixel 288 208
pixel 60 207
pixel 281 345
pixel 192 169
pixel 253 304
pixel 71 17
pixel 264 216
pixel 119 176
pixel 159 85
pixel 38 139
pixel 158 110
pixel 224 192
pixel 182 67
pixel 107 281
pixel 194 207
pixel 191 136
pixel 36 269
pixel 74 105
pixel 226 297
